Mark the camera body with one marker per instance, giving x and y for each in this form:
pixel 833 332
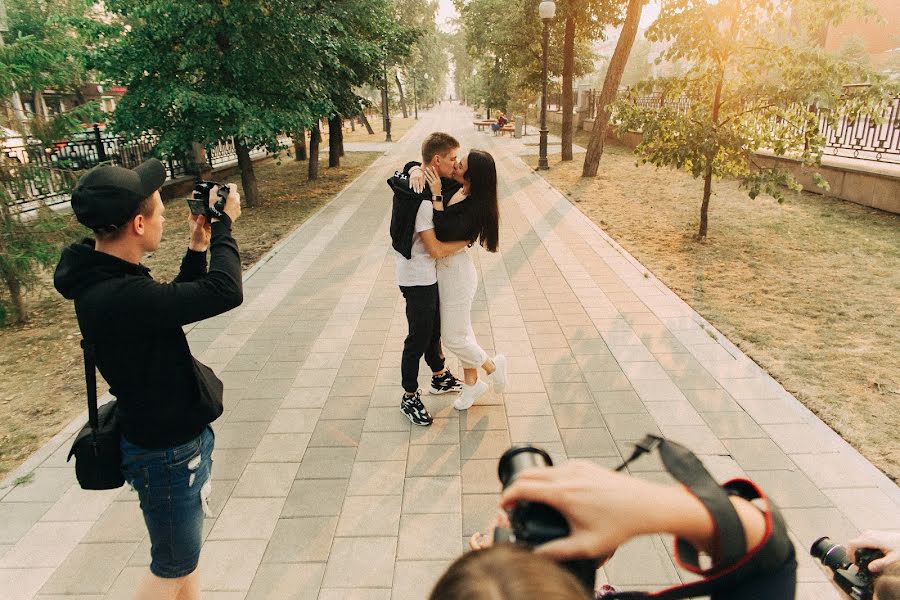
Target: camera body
pixel 856 580
pixel 199 202
pixel 535 523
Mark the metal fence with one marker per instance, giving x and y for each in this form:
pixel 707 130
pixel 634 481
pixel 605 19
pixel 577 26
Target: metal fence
pixel 862 138
pixel 34 174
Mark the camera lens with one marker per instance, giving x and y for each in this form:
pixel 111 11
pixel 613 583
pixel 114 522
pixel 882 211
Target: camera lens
pixel 832 555
pixel 517 459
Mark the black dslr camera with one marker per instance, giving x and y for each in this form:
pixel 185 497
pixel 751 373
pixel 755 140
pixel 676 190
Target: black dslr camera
pixel 534 523
pixel 199 202
pixel 856 580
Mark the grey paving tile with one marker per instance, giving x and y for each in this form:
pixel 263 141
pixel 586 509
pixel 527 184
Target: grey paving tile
pixel 619 402
pixel 315 498
pixel 247 519
pixel 80 505
pixel 337 433
pixel 46 485
pixel 433 460
pixel 306 397
pixel 238 435
pixel 758 454
pixel 483 417
pixel 413 580
pixel 377 478
pixel 121 522
pixel 326 463
pixel 631 426
pixel 790 489
pixel 430 536
pixel 294 420
pixel 588 442
pixel 281 447
pixel 834 470
pixel 383 445
pixel 263 479
pixel 16 518
pixel 656 567
pixel 569 416
pixel 483 444
pixel 479 512
pixel 733 425
pixel 386 418
pixel 355 593
pixel 532 430
pixel 441 431
pixel 345 407
pixel 229 463
pixel 521 405
pixel 230 565
pixel 369 559
pixel 370 516
pixel 561 373
pixel 254 410
pixel 608 381
pixel 809 524
pixel 795 438
pixel 297 581
pixel 431 495
pixel 479 476
pixel 866 508
pixel 569 393
pixel 45 545
pixel 89 569
pixel 699 439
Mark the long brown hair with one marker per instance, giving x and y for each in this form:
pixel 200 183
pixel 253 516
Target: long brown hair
pixel 481 173
pixel 506 572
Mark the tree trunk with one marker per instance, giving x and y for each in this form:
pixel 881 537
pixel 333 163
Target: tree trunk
pixel 710 160
pixel 334 141
pixel 402 96
pixel 17 297
pixel 567 75
pixel 340 135
pixel 299 138
pixel 611 87
pixel 352 124
pixel 248 177
pixel 314 139
pixel 365 121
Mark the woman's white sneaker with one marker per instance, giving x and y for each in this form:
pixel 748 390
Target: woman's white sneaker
pixel 498 377
pixel 469 394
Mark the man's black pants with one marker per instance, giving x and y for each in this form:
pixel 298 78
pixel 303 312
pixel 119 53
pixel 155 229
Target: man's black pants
pixel 424 320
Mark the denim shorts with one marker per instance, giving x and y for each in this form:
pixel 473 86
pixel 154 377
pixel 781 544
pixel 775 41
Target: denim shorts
pixel 173 485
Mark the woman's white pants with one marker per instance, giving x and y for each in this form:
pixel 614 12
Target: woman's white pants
pixel 457 284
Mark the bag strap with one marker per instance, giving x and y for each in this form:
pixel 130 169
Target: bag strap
pixel 90 378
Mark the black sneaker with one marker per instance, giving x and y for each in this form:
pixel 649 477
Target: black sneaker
pixel 414 410
pixel 442 384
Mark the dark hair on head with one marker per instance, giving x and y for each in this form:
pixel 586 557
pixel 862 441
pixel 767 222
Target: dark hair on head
pixel 437 144
pixel 507 572
pixel 110 234
pixel 481 173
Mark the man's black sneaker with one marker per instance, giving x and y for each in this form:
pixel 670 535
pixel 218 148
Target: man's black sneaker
pixel 414 410
pixel 442 384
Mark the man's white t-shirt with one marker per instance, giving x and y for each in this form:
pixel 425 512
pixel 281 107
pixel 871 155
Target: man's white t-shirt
pixel 419 269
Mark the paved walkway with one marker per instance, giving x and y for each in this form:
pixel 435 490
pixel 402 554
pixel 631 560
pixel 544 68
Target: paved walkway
pixel 322 489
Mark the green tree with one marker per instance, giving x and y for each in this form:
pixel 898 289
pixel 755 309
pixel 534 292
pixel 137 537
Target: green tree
pixel 754 72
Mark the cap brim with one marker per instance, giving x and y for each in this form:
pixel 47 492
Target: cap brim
pixel 152 174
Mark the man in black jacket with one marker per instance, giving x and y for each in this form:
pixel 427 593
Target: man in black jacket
pixel 416 248
pixel 166 398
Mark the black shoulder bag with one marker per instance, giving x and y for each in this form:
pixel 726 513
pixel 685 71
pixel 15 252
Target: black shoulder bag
pixel 98 457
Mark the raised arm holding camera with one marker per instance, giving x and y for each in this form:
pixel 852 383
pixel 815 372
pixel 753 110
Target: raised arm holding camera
pixel 132 329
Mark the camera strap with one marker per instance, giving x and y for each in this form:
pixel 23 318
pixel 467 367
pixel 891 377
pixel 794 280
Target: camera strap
pixel 90 378
pixel 734 564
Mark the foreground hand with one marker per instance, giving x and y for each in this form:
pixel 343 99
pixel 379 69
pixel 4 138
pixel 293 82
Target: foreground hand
pixel 200 232
pixel 232 203
pixel 604 508
pixel 480 541
pixel 417 179
pixel 886 541
pixel 434 181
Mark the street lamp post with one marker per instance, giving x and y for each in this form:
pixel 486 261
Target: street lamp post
pixel 546 10
pixel 415 96
pixel 387 108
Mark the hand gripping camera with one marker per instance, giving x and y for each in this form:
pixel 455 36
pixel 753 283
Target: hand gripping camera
pixel 199 202
pixel 534 523
pixel 856 580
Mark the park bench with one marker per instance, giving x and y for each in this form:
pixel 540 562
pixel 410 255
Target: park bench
pixel 481 124
pixel 508 128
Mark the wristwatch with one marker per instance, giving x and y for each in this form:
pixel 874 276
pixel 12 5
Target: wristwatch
pixel 437 198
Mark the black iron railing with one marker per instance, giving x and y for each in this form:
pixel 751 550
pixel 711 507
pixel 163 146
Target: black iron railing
pixel 866 137
pixel 34 174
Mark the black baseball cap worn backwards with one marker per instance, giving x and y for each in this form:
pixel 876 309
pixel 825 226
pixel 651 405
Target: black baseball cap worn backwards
pixel 108 196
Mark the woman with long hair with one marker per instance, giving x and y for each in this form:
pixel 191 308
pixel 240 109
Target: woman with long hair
pixel 472 214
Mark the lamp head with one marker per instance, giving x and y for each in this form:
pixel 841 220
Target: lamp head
pixel 547 9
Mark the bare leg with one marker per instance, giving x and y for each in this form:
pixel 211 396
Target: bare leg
pixel 470 376
pixel 489 366
pixel 158 588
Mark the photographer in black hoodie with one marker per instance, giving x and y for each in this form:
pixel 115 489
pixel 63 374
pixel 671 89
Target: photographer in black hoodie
pixel 166 398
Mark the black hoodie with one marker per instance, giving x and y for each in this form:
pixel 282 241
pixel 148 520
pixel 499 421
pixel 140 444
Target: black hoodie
pixel 165 396
pixel 406 205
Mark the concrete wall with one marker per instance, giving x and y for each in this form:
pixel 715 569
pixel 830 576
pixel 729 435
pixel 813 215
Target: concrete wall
pixel 863 182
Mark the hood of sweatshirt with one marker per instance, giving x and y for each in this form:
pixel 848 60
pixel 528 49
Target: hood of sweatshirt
pixel 81 267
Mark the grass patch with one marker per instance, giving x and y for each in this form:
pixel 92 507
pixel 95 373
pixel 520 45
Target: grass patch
pixel 810 289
